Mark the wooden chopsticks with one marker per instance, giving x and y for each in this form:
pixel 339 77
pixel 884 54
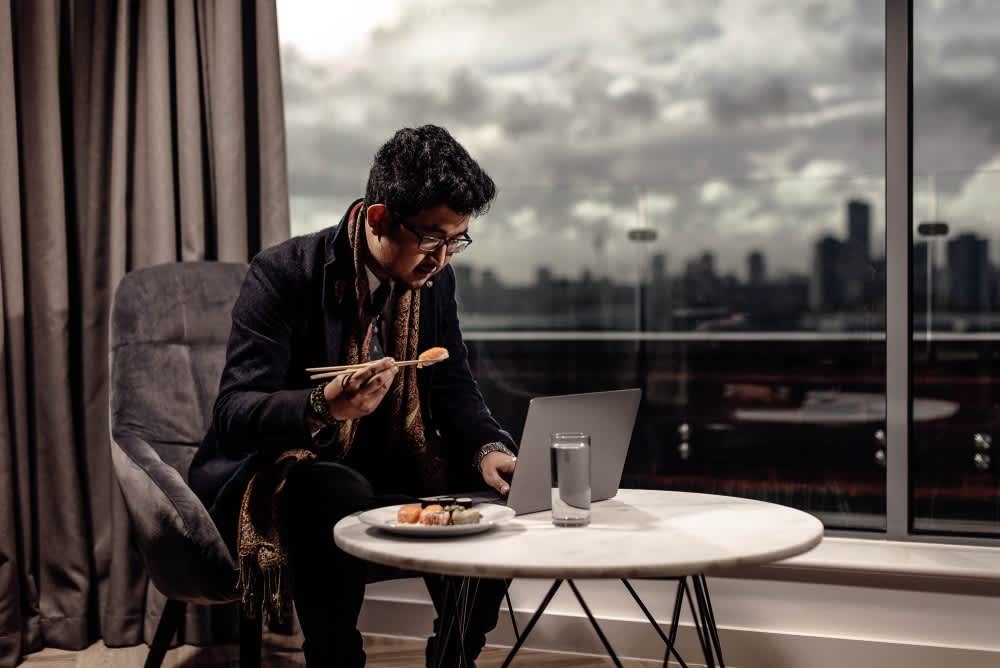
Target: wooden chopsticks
pixel 342 367
pixel 353 368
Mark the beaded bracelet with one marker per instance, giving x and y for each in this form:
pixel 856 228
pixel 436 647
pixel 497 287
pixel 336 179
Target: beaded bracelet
pixel 496 446
pixel 320 409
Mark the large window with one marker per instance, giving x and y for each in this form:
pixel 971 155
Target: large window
pixel 691 201
pixel 956 302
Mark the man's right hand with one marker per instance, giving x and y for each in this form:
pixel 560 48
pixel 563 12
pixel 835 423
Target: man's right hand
pixel 358 394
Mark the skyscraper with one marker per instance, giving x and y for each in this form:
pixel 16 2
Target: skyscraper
pixel 969 273
pixel 859 217
pixel 658 268
pixel 856 259
pixel 756 268
pixel 825 289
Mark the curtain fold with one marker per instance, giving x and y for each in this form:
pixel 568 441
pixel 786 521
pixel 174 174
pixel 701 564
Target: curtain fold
pixel 131 133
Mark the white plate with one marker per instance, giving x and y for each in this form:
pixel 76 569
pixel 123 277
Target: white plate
pixel 385 519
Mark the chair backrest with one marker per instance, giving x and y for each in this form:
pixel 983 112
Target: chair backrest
pixel 169 329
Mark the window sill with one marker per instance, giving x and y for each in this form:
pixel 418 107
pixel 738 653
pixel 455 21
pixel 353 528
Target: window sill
pixel 918 566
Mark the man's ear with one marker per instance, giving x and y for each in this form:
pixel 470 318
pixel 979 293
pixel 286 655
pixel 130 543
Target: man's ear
pixel 377 219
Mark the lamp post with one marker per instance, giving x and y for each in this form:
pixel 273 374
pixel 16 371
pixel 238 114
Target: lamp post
pixel 642 235
pixel 932 231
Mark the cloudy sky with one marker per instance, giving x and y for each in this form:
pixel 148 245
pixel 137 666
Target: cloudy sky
pixel 726 125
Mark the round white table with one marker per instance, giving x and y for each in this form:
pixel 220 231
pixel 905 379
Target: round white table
pixel 637 534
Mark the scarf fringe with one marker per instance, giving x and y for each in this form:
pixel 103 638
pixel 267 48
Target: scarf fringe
pixel 265 590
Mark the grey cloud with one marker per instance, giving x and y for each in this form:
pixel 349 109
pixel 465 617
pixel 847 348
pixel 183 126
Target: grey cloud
pixel 300 79
pixel 325 161
pixel 865 54
pixel 980 46
pixel 465 100
pixel 955 125
pixel 641 104
pixel 522 117
pixel 749 100
pixel 948 105
pixel 821 14
pixel 657 47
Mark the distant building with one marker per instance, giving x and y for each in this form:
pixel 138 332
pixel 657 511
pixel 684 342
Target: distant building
pixel 856 260
pixel 756 269
pixel 658 268
pixel 825 288
pixel 701 284
pixel 543 277
pixel 464 275
pixel 969 273
pixel 859 222
pixel 466 288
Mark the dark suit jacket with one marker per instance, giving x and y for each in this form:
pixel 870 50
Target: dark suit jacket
pixel 287 318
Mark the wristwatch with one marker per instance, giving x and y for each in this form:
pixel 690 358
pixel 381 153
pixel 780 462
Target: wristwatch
pixel 318 408
pixel 495 446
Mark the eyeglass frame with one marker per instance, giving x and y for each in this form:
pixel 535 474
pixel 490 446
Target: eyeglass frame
pixel 438 241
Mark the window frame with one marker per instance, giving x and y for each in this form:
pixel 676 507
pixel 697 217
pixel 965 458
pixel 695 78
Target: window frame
pixel 899 273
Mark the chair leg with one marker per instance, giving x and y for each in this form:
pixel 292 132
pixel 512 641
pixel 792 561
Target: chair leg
pixel 170 621
pixel 251 633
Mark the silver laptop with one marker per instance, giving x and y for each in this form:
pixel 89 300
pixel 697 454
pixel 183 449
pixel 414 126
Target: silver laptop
pixel 607 416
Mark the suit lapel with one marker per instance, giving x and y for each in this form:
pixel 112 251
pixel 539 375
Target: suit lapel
pixel 337 286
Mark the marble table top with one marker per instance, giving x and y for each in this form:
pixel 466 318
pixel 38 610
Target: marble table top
pixel 639 533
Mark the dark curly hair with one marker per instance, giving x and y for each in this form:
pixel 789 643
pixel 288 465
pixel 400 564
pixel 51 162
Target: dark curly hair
pixel 420 168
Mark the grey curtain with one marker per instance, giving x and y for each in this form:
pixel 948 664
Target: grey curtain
pixel 131 133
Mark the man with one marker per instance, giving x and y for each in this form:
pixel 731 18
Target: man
pixel 285 458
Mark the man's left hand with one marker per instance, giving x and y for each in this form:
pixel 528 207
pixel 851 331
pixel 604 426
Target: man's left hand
pixel 497 468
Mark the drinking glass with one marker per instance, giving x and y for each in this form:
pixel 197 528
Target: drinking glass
pixel 570 479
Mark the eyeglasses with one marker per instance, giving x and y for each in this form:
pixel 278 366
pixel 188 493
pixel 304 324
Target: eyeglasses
pixel 430 244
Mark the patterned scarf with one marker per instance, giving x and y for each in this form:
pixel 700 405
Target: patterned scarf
pixel 264 582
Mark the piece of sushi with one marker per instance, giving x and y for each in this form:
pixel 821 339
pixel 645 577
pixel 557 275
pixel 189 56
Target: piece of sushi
pixel 438 518
pixel 409 514
pixel 437 501
pixel 431 356
pixel 469 516
pixel 428 511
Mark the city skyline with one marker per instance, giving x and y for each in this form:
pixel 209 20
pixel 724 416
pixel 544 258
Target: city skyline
pixel 845 277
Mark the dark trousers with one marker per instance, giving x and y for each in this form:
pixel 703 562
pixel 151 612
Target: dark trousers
pixel 329 584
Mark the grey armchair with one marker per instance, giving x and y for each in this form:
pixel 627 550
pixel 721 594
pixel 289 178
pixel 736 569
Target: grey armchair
pixel 169 328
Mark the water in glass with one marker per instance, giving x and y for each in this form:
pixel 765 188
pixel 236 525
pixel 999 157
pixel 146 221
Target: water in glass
pixel 570 479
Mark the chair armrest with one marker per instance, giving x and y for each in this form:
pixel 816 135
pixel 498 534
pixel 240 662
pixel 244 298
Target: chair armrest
pixel 185 555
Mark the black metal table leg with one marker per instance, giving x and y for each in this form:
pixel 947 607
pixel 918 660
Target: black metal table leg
pixel 701 632
pixel 532 622
pixel 699 603
pixel 593 622
pixel 510 610
pixel 668 642
pixel 455 611
pixel 708 616
pixel 675 621
pixel 702 614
